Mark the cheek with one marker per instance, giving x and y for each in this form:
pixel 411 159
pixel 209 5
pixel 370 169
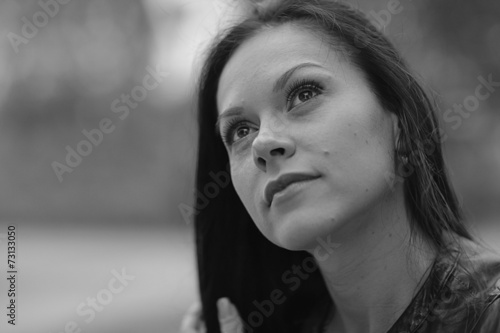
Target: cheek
pixel 246 186
pixel 241 175
pixel 360 146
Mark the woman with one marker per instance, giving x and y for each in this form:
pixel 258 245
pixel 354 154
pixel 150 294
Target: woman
pixel 324 204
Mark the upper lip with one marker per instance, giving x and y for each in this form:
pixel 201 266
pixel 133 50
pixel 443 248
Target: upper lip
pixel 282 182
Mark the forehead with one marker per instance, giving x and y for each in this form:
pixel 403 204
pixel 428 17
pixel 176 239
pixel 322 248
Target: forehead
pixel 267 55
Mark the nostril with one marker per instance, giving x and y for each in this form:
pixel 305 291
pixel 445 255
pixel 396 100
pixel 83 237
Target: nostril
pixel 278 151
pixel 261 161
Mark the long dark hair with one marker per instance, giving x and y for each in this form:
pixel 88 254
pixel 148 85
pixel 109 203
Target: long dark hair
pixel 234 258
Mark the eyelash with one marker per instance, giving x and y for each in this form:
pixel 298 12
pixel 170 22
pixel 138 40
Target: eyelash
pixel 290 93
pixel 295 87
pixel 229 128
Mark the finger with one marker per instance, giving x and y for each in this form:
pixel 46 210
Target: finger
pixel 229 319
pixel 202 328
pixel 192 321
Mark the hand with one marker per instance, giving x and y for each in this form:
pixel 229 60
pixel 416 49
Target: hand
pixel 229 318
pixel 192 321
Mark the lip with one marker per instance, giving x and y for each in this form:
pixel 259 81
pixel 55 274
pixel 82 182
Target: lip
pixel 282 182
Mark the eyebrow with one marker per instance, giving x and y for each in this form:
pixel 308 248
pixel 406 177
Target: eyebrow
pixel 278 85
pixel 231 112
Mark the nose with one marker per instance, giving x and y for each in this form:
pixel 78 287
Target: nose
pixel 269 147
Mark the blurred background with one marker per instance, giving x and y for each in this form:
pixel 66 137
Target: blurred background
pixel 70 70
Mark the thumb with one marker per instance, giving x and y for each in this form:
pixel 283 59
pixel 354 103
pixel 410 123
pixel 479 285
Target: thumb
pixel 229 319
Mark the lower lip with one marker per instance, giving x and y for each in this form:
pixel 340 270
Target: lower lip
pixel 290 191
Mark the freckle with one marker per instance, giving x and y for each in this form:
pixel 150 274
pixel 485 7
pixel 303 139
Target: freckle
pixel 355 134
pixel 390 235
pixel 366 190
pixel 366 141
pixel 326 152
pixel 373 232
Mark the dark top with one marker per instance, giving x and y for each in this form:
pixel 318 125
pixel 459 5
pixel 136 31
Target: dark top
pixel 461 294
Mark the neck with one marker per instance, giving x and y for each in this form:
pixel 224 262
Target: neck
pixel 373 274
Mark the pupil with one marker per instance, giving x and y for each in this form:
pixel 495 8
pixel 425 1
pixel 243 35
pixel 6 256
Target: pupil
pixel 305 95
pixel 242 131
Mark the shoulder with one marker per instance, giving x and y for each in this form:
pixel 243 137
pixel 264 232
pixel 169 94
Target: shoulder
pixel 489 319
pixel 486 271
pixel 475 287
pixel 479 268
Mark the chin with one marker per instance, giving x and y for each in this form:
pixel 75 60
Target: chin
pixel 301 232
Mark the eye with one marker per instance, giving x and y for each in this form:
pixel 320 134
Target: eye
pixel 302 91
pixel 236 129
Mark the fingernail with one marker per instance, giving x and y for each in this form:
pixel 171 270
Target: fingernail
pixel 223 306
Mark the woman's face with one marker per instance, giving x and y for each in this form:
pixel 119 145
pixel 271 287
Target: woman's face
pixel 293 111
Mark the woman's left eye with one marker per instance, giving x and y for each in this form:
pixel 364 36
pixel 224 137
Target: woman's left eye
pixel 302 91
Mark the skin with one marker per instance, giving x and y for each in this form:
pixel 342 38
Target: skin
pixel 340 134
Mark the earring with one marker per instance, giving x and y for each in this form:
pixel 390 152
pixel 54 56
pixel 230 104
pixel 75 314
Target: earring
pixel 262 6
pixel 401 153
pixel 403 158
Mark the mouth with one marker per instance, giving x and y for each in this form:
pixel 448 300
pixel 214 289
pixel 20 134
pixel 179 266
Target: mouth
pixel 282 182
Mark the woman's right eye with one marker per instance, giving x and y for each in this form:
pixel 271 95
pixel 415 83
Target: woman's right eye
pixel 241 132
pixel 235 130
